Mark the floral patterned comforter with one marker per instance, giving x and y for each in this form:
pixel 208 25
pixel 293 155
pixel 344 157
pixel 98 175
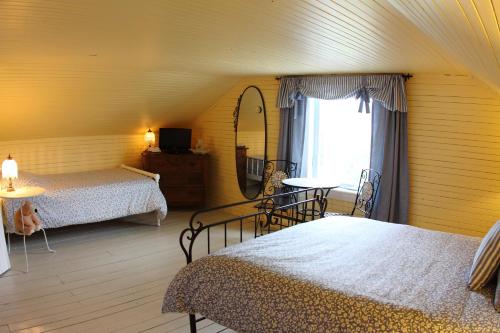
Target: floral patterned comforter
pixel 339 274
pixel 86 197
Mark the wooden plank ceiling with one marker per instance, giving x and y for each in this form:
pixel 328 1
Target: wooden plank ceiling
pixel 468 29
pixel 117 66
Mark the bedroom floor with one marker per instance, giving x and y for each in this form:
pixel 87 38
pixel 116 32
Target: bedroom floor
pixel 104 277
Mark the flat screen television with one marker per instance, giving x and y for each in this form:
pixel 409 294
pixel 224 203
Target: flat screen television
pixel 175 140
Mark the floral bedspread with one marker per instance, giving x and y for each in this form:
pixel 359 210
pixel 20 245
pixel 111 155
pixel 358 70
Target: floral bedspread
pixel 93 196
pixel 339 274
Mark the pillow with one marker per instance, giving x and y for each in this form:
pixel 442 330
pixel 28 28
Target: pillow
pixel 496 302
pixel 486 260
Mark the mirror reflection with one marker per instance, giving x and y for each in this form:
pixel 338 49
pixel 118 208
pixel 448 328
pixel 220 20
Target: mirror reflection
pixel 250 141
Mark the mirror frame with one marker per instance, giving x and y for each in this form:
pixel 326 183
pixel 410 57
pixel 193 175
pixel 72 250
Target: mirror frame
pixel 236 114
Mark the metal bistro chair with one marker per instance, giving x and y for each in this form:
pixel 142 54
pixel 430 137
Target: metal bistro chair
pixel 275 171
pixel 369 182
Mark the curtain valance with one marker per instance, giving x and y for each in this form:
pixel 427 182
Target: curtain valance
pixel 388 89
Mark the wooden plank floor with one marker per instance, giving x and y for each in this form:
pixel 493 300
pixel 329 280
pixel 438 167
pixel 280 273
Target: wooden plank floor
pixel 104 277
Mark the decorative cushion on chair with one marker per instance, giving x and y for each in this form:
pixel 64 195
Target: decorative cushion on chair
pixel 486 260
pixel 367 191
pixel 277 179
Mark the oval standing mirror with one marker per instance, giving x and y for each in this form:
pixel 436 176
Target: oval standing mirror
pixel 251 141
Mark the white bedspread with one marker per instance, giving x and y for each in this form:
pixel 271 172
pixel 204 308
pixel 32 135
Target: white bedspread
pixel 93 196
pixel 339 274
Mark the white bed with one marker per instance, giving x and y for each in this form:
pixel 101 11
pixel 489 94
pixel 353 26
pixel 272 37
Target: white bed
pixel 255 168
pixel 338 274
pixel 92 196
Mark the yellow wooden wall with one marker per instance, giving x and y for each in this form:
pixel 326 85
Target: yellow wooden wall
pixel 215 127
pixel 454 153
pixel 73 154
pixel 254 141
pixel 454 150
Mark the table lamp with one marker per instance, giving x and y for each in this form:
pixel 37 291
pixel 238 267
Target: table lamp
pixel 149 137
pixel 9 171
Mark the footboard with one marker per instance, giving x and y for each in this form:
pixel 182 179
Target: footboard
pixel 270 213
pixel 265 215
pixel 154 176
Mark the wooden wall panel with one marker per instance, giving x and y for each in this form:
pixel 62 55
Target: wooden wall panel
pixel 454 153
pixel 75 68
pixel 73 154
pixel 254 140
pixel 215 127
pixel 454 150
pixel 467 29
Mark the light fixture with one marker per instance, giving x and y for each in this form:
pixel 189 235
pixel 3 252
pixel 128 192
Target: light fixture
pixel 9 171
pixel 149 137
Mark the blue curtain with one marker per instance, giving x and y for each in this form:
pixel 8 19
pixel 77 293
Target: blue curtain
pixel 389 156
pixel 292 132
pixel 389 153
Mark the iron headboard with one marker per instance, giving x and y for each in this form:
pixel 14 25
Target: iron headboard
pixel 274 214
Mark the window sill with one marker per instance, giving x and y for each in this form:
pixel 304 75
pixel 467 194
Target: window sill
pixel 342 194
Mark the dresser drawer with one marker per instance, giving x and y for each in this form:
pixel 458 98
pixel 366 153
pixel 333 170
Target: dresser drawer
pixel 184 196
pixel 183 177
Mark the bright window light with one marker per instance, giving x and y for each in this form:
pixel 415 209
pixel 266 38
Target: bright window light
pixel 337 141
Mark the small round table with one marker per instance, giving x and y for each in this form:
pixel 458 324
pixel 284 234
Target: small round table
pixel 305 183
pixel 24 193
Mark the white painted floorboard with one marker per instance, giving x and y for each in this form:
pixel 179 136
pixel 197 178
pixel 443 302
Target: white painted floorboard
pixel 104 277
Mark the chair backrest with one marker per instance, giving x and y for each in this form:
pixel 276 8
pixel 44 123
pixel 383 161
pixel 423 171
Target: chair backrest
pixel 274 172
pixel 369 182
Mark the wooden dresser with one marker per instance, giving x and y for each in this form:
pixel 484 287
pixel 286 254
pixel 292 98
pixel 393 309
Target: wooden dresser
pixel 241 167
pixel 183 177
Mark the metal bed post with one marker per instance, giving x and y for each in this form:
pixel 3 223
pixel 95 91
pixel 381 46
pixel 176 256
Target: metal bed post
pixel 192 323
pixel 264 219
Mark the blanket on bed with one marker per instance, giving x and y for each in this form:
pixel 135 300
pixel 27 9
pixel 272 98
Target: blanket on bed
pixel 339 274
pixel 92 196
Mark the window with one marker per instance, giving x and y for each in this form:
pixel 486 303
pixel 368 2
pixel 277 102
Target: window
pixel 337 141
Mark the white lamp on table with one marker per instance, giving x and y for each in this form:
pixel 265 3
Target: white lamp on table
pixel 9 171
pixel 149 137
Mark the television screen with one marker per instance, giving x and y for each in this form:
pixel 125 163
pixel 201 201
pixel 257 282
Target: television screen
pixel 175 140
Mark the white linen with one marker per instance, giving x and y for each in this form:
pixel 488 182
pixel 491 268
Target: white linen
pixel 93 196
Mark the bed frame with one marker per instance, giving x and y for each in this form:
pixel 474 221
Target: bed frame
pixel 154 176
pixel 281 211
pixel 255 168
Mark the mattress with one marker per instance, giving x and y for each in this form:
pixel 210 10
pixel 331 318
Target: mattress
pixel 339 274
pixel 86 197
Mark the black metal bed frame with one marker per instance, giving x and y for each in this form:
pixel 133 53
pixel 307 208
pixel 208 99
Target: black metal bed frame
pixel 275 214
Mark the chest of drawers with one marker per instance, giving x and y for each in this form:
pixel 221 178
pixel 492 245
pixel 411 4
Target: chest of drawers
pixel 183 177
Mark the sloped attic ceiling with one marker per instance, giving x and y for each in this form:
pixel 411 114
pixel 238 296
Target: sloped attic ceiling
pixel 468 30
pixel 117 66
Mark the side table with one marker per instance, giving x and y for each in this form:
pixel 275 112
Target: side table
pixel 26 192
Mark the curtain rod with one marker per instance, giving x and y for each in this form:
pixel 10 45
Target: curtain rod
pixel 406 76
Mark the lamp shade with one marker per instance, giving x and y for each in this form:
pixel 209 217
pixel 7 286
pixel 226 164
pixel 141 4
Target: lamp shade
pixel 9 168
pixel 149 137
